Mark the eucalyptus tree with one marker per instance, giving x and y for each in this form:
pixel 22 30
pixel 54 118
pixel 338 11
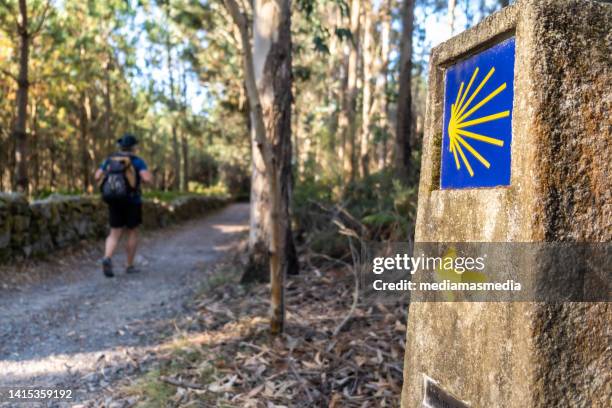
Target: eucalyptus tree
pixel 268 76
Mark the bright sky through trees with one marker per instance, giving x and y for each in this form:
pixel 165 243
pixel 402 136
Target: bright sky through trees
pixel 201 100
pixel 197 94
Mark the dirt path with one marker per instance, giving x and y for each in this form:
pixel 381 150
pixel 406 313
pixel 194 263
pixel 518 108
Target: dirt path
pixel 83 332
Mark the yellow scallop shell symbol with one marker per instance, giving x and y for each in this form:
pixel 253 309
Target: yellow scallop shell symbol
pixel 458 122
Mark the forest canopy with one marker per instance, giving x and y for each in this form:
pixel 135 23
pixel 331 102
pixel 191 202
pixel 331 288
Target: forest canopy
pixel 76 75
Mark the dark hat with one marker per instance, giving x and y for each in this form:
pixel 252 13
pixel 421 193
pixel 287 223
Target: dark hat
pixel 127 140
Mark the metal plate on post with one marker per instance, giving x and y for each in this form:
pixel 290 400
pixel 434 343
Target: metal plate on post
pixel 477 133
pixel 436 397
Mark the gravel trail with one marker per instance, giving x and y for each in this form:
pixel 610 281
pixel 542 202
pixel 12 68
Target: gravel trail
pixel 83 333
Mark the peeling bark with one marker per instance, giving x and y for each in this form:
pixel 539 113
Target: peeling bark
pixel 268 80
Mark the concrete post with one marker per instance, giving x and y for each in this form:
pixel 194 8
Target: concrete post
pixel 527 354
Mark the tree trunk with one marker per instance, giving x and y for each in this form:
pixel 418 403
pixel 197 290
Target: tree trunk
pixel 269 56
pixel 404 103
pixel 383 83
pixel 346 121
pixel 36 148
pixel 258 266
pixel 70 176
pixel 165 177
pixel 295 126
pixel 184 135
pixel 84 117
pixel 52 159
pixel 368 62
pixel 19 131
pixel 176 162
pixel 335 93
pixel 176 165
pixel 108 107
pixel 185 151
pixel 3 160
pixel 268 79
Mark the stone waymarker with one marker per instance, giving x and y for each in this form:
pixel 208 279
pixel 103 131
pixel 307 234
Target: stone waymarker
pixel 530 164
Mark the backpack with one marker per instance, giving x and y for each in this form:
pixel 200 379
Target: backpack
pixel 120 181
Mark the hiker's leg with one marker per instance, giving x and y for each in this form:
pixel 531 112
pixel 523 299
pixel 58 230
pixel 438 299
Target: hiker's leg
pixel 111 242
pixel 132 245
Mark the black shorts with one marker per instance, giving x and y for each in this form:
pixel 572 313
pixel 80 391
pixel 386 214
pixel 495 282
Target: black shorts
pixel 125 215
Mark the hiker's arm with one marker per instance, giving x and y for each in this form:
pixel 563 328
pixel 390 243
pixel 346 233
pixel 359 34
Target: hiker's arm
pixel 146 176
pixel 99 174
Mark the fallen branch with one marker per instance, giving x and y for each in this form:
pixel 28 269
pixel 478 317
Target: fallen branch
pixel 179 383
pixel 351 311
pixel 301 381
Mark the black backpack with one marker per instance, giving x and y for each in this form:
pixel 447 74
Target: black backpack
pixel 120 181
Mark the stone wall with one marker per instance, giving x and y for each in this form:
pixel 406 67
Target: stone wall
pixel 31 229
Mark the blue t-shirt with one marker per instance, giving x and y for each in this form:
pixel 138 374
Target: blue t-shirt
pixel 139 165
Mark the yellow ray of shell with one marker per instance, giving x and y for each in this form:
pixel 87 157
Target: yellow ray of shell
pixel 467 90
pixel 474 152
pixel 459 94
pixel 482 84
pixel 483 102
pixel 452 148
pixel 484 119
pixel 482 138
pixel 456 158
pixel 465 160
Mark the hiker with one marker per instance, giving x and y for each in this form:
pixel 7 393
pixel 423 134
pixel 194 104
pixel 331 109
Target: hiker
pixel 121 175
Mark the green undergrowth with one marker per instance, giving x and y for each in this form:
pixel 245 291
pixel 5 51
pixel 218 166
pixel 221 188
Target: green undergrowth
pixel 378 207
pixel 194 190
pixel 155 392
pixel 46 193
pixel 165 196
pixel 226 273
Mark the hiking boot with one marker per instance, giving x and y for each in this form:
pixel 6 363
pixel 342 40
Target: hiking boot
pixel 107 267
pixel 132 269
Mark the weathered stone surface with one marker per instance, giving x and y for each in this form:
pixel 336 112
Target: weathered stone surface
pixel 16 201
pixel 38 228
pixel 21 223
pixel 525 354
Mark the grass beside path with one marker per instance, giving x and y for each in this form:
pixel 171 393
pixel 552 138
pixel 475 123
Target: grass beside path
pixel 169 196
